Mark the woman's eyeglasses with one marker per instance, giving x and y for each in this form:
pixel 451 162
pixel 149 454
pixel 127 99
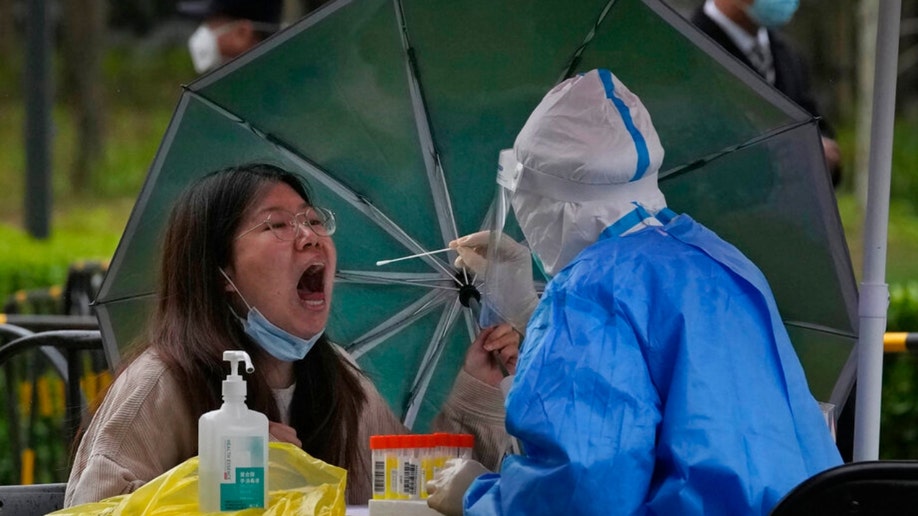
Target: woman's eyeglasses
pixel 288 226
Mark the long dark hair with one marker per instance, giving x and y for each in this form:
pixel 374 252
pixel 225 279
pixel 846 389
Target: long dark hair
pixel 193 323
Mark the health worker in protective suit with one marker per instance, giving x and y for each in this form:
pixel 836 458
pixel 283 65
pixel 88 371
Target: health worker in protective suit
pixel 656 376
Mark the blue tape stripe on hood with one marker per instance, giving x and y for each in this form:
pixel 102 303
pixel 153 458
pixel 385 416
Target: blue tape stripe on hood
pixel 640 145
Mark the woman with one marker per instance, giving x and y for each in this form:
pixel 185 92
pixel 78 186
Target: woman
pixel 248 263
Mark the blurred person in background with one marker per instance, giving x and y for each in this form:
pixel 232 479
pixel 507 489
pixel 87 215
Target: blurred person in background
pixel 228 28
pixel 748 30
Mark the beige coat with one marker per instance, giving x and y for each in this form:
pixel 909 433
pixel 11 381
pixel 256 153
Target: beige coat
pixel 142 430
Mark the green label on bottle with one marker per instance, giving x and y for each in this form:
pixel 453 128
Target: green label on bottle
pixel 243 483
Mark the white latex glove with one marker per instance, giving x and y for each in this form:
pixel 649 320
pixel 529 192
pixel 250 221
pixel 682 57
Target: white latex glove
pixel 515 298
pixel 449 485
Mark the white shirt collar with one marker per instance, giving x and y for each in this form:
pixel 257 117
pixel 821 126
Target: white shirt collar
pixel 740 37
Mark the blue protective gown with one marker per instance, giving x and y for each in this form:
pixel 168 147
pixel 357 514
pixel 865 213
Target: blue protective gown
pixel 656 377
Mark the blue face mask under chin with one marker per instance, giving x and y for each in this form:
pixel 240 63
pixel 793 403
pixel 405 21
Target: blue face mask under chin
pixel 279 343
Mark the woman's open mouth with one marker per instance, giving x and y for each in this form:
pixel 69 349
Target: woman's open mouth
pixel 311 287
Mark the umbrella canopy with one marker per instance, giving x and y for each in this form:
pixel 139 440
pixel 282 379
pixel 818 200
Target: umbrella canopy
pixel 395 111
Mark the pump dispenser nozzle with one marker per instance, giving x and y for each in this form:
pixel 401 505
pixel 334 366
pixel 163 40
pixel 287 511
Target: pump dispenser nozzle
pixel 233 357
pixel 234 385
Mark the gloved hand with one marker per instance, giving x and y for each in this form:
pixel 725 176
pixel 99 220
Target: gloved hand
pixel 513 296
pixel 450 484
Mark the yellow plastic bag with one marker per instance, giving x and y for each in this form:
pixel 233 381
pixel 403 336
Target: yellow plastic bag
pixel 299 485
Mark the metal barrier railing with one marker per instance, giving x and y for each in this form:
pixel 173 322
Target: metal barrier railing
pixel 47 387
pixel 38 323
pixel 70 343
pixel 62 348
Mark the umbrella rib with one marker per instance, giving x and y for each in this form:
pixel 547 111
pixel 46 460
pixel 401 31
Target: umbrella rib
pixel 432 163
pixel 130 297
pixel 700 162
pixel 820 328
pixel 434 281
pixel 391 326
pixel 575 59
pixel 399 234
pixel 360 202
pixel 429 363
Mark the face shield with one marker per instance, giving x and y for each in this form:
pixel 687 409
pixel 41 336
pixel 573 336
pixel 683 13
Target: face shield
pixel 509 288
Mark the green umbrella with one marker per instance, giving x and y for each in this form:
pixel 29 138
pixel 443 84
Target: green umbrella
pixel 395 111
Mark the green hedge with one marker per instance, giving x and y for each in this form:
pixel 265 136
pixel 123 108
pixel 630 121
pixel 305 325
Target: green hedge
pixel 27 263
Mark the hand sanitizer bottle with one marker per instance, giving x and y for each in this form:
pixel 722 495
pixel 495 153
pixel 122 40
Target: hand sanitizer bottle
pixel 233 448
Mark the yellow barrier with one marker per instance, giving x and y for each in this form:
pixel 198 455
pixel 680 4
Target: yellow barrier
pixel 28 467
pixel 900 342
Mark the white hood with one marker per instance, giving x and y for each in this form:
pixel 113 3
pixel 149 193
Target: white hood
pixel 586 156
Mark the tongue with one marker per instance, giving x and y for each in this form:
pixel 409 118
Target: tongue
pixel 306 295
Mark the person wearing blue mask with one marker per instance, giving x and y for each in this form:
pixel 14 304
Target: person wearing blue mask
pixel 248 263
pixel 748 29
pixel 656 375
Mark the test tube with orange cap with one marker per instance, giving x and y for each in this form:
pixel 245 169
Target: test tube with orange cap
pixel 378 449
